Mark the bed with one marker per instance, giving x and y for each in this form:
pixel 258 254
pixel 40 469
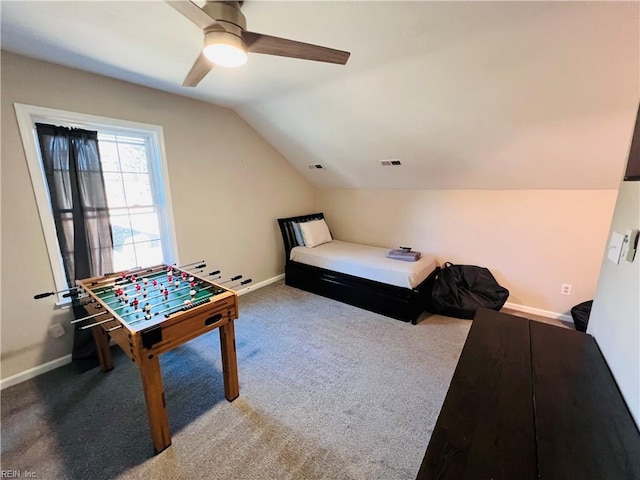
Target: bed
pixel 359 275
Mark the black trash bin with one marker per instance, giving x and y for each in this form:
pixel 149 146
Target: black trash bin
pixel 580 314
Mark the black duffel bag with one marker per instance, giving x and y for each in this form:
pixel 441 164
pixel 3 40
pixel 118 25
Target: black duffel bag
pixel 459 290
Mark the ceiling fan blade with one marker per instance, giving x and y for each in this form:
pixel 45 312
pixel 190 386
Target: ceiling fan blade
pixel 260 43
pixel 193 12
pixel 200 68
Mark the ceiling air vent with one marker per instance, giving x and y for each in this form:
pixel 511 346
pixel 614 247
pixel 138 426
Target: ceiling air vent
pixel 316 166
pixel 388 163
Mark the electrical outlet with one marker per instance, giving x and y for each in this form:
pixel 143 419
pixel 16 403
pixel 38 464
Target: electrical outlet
pixel 565 289
pixel 56 330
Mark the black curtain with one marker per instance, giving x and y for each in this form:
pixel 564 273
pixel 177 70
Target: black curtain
pixel 74 175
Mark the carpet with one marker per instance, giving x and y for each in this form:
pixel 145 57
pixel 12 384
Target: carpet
pixel 327 391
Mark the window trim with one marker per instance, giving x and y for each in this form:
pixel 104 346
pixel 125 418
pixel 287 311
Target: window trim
pixel 28 115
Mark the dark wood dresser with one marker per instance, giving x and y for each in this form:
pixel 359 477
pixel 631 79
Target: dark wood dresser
pixel 530 400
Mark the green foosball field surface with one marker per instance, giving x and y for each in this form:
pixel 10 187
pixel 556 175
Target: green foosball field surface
pixel 152 303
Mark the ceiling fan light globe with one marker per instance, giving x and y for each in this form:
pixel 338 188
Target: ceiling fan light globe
pixel 225 49
pixel 225 55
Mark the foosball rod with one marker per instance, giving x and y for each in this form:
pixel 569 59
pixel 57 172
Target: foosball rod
pixel 175 307
pixel 71 291
pixel 91 325
pixel 244 282
pixel 88 317
pixel 173 299
pixel 156 293
pixel 155 270
pixel 155 274
pixel 123 271
pixel 188 264
pixel 232 279
pixel 116 278
pixel 162 271
pixel 185 268
pixel 150 271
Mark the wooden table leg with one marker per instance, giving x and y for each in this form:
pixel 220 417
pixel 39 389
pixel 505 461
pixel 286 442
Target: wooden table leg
pixel 156 407
pixel 229 361
pixel 101 338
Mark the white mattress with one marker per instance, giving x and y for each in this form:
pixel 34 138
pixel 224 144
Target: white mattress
pixel 366 262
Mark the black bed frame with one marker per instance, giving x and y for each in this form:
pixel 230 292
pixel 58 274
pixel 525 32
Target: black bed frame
pixel 396 302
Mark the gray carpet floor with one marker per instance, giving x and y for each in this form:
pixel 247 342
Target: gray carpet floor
pixel 327 391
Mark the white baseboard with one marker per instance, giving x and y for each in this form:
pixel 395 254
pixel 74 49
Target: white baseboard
pixel 34 372
pixel 46 367
pixel 264 283
pixel 538 311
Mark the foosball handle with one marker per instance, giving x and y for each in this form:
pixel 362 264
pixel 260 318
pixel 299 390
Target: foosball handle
pixel 43 295
pixel 70 293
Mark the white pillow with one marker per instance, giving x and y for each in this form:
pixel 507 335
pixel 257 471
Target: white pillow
pixel 315 233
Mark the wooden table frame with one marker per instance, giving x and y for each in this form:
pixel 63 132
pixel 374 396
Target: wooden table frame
pixel 144 346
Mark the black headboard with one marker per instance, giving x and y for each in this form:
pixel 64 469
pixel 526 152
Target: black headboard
pixel 288 235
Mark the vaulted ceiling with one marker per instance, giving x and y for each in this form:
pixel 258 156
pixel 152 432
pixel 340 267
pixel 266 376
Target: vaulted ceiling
pixel 485 95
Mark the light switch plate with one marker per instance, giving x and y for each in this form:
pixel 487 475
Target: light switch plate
pixel 615 247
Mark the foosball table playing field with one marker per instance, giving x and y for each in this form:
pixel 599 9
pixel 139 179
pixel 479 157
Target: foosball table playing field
pixel 153 310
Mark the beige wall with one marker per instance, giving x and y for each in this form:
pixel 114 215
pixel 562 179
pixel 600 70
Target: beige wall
pixel 532 240
pixel 228 186
pixel 615 316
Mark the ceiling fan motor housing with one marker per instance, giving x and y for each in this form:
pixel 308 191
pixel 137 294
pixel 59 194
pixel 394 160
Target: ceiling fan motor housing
pixel 228 14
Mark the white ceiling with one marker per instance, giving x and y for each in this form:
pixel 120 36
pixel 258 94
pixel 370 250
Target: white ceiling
pixel 485 95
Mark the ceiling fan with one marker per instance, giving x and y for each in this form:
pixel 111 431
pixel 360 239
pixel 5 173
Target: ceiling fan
pixel 226 42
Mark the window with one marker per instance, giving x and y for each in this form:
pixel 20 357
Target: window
pixel 135 201
pixel 135 172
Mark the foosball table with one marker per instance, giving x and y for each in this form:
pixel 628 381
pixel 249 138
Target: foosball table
pixel 153 310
